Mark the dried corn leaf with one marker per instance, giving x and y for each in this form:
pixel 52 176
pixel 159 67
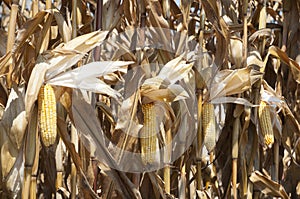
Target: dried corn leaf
pixel 270 95
pixel 158 183
pixel 212 12
pixel 63 27
pixel 294 66
pixel 156 18
pixel 8 157
pixel 5 62
pixel 127 120
pixel 185 7
pixel 175 70
pixel 44 37
pixel 170 73
pixel 3 96
pixel 29 28
pixel 31 138
pixel 267 186
pixel 92 134
pixel 64 57
pixel 235 100
pixel 3 41
pixel 59 60
pixel 220 26
pixel 254 59
pixel 261 33
pixel 11 167
pixel 129 8
pixel 84 185
pixel 85 77
pixel 203 194
pixel 291 181
pixel 112 12
pixel 230 82
pixel 236 52
pixel 14 120
pixel 12 128
pixel 35 82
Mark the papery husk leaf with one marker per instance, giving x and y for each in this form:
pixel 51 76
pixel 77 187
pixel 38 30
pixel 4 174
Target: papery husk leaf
pixel 90 70
pixel 84 77
pixel 170 73
pixel 172 93
pixel 173 73
pixel 230 82
pixel 31 137
pixel 35 82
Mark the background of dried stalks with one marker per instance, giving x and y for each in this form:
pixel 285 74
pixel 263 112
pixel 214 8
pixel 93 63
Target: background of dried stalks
pixel 247 51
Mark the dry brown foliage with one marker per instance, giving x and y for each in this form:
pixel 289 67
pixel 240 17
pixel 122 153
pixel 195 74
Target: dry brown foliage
pixel 106 59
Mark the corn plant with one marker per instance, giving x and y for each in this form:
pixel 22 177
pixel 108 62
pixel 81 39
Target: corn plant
pixel 149 99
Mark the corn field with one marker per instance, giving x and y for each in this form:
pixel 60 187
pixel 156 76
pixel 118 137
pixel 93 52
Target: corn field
pixel 150 99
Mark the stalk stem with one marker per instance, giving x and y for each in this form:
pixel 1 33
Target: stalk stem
pixel 167 171
pixel 74 140
pixel 26 186
pixel 276 160
pixel 234 177
pixel 98 27
pixel 199 143
pixel 74 18
pixel 12 27
pixel 235 152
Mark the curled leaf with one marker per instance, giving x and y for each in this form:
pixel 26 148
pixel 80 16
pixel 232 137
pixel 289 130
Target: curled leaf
pixel 267 186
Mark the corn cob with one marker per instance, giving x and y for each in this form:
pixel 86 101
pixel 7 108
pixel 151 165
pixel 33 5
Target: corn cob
pixel 264 117
pixel 209 126
pixel 47 115
pixel 148 134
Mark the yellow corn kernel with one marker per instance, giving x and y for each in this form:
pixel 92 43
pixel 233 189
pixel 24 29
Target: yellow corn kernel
pixel 209 126
pixel 264 117
pixel 47 114
pixel 148 134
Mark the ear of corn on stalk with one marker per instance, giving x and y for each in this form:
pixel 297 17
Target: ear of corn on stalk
pixel 148 135
pixel 264 117
pixel 209 126
pixel 47 115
